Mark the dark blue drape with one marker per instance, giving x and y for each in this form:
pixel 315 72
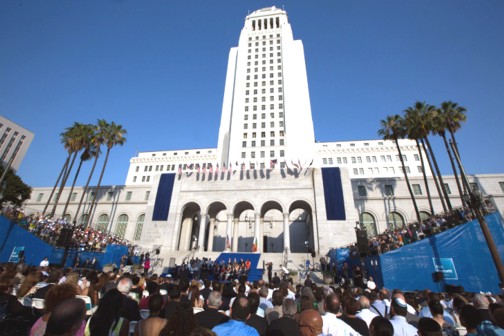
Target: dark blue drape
pixel 333 194
pixel 163 197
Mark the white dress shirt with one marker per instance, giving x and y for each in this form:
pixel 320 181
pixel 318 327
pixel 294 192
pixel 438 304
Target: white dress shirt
pixel 402 327
pixel 333 326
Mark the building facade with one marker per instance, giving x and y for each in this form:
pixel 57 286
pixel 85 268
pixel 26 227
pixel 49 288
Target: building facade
pixel 268 186
pixel 14 143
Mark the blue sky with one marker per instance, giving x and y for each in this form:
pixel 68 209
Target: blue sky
pixel 158 67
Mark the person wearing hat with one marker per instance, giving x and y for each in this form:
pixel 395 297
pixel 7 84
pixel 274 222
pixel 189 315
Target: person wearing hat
pixel 398 311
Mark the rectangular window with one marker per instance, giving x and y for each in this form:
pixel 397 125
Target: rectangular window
pixel 330 161
pixel 40 196
pixel 263 154
pixel 345 161
pixel 244 143
pixel 501 184
pixel 416 157
pixel 447 188
pixel 389 190
pixel 272 154
pixel 417 189
pixel 109 195
pixel 147 194
pixel 355 171
pixel 373 158
pixel 368 159
pixel 338 160
pixel 362 191
pixel 134 179
pixel 361 171
pixel 252 143
pixel 354 160
pixel 324 161
pixel 281 142
pixel 243 155
pixel 136 169
pixel 282 153
pixel 359 159
pixel 55 197
pixel 252 155
pixel 419 169
pixel 129 194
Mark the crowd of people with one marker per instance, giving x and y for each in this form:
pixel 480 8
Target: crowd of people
pixel 395 237
pixel 50 230
pixel 121 303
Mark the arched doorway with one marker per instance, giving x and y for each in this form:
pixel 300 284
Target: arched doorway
pixel 243 227
pixel 424 215
pixel 189 227
pixel 272 227
pixel 216 227
pixel 301 233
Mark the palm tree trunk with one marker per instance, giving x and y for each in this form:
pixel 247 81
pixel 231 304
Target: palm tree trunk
pixel 408 183
pixel 85 191
pixel 459 187
pixel 95 200
pixel 445 193
pixel 427 189
pixel 63 169
pixel 72 188
pixel 434 177
pixel 62 185
pixel 455 149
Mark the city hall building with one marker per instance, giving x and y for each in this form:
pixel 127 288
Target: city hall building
pixel 268 186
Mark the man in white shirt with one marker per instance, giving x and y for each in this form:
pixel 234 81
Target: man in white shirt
pixel 45 262
pixel 331 324
pixel 365 314
pixel 398 311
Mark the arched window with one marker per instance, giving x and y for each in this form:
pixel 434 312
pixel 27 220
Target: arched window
pixel 68 217
pixel 139 227
pixel 424 215
pixel 122 224
pixel 102 223
pixel 83 219
pixel 395 220
pixel 368 221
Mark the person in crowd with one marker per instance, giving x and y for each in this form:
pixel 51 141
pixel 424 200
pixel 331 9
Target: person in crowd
pixel 107 319
pixel 437 311
pixel 380 326
pixel 398 311
pixel 259 323
pixel 152 325
pixel 10 303
pixel 378 302
pixel 310 323
pixel 51 280
pixel 202 331
pixel 426 312
pixel 480 301
pixel 469 319
pixel 365 313
pixel 196 299
pixel 227 294
pixel 240 312
pixel 275 312
pixel 458 302
pixel 28 285
pixel 429 327
pixel 67 318
pixel 350 309
pixel 182 322
pixel 285 325
pixel 45 262
pixel 332 325
pixel 264 303
pixel 72 278
pixel 130 309
pixel 211 316
pixel 55 295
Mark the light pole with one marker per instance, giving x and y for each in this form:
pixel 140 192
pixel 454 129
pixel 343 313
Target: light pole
pixel 474 199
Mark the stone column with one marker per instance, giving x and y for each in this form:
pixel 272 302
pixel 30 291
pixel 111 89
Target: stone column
pixel 229 232
pixel 286 232
pixel 201 232
pixel 211 234
pixel 257 232
pixel 235 234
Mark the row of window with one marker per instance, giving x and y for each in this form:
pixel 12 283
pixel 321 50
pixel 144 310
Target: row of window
pixel 369 159
pixel 263 36
pixel 262 154
pixel 263 115
pixel 263 125
pixel 263 143
pixel 159 168
pixel 264 42
pixel 263 134
pixel 120 228
pixel 91 195
pixel 388 189
pixel 185 153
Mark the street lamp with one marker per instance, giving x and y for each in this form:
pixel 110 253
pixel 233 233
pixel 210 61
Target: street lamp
pixel 474 200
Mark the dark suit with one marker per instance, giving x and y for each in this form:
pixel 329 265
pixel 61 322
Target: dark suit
pixel 210 318
pixel 284 326
pixel 258 323
pixel 130 310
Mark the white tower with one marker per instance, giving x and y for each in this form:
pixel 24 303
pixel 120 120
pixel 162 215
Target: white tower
pixel 266 113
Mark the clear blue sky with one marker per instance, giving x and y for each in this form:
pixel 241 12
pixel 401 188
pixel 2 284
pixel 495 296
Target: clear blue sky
pixel 158 67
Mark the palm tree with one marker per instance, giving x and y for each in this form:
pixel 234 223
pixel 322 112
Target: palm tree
pixel 95 152
pixel 68 138
pixel 393 129
pixel 110 135
pixel 427 113
pixel 450 117
pixel 412 122
pixel 82 136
